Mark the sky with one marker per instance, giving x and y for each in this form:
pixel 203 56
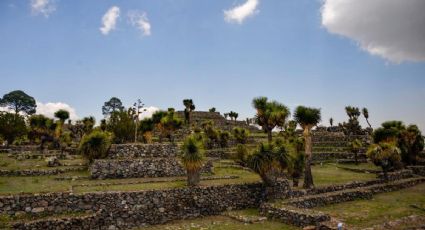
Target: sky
pixel 221 53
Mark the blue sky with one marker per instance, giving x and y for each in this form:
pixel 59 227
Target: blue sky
pixel 282 51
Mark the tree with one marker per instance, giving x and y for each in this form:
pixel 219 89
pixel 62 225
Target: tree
pixel 146 127
pixel 192 158
pixel 170 123
pixel 307 118
pixel 408 139
pixel 241 135
pixel 331 121
pixel 366 116
pixel 386 155
pixel 355 147
pixel 95 145
pixel 136 108
pixel 270 114
pixel 296 166
pixel 19 101
pixel 233 115
pixel 212 110
pixel 88 124
pixel 122 125
pixel 223 137
pixel 113 105
pixel 352 127
pixel 189 107
pixel 226 115
pixel 62 115
pixel 12 126
pixel 41 128
pixel 269 161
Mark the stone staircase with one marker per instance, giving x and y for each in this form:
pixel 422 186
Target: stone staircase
pixel 333 146
pixel 297 210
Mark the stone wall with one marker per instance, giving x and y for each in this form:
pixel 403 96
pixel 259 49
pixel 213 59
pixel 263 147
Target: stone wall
pixel 131 209
pixel 40 172
pixel 418 170
pixel 143 150
pixel 317 157
pixel 141 167
pixel 397 175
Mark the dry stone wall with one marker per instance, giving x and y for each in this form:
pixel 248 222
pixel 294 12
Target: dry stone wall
pixel 143 150
pixel 141 167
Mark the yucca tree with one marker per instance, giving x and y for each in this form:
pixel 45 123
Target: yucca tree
pixel 189 107
pixel 192 158
pixel 331 121
pixel 366 116
pixel 355 147
pixel 62 115
pixel 269 161
pixel 386 155
pixel 270 114
pixel 307 118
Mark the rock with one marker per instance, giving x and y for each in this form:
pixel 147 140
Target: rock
pixel 37 210
pixel 53 162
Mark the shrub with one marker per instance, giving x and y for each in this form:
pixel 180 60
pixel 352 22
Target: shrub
pixel 241 135
pixel 241 154
pixel 192 158
pixel 95 145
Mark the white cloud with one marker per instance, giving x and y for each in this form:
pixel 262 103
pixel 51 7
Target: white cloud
pixel 392 29
pixel 140 21
pixel 109 20
pixel 44 7
pixel 239 13
pixel 148 111
pixel 49 109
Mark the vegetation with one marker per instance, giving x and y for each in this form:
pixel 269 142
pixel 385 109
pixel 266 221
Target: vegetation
pixel 408 139
pixel 307 118
pixel 355 147
pixel 146 128
pixel 95 145
pixel 113 105
pixel 192 158
pixel 12 126
pixel 19 102
pixel 189 107
pixel 365 113
pixel 386 155
pixel 241 135
pixel 122 125
pixel 269 161
pixel 62 115
pixel 270 114
pixel 331 122
pixel 352 127
pixel 169 124
pixel 212 110
pixel 233 115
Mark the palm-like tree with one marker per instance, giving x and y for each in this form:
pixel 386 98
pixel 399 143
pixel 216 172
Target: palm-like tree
pixel 307 118
pixel 62 115
pixel 331 121
pixel 269 161
pixel 386 155
pixel 189 107
pixel 355 147
pixel 270 114
pixel 192 158
pixel 366 116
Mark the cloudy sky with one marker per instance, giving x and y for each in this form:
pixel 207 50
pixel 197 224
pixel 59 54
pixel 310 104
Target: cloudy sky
pixel 222 53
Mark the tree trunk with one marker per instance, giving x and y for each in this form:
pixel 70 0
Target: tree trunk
pixel 295 182
pixel 308 177
pixel 193 178
pixel 367 120
pixel 269 135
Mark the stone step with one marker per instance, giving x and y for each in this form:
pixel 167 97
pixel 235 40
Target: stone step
pixel 293 216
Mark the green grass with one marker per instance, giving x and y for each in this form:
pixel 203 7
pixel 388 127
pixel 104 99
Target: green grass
pixel 328 174
pixel 382 208
pixel 367 166
pixel 9 163
pixel 219 223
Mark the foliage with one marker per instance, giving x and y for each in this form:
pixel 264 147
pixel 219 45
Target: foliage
pixel 189 107
pixel 355 147
pixel 211 134
pixel 331 121
pixel 408 139
pixel 113 105
pixel 241 154
pixel 241 135
pixel 212 110
pixel 96 145
pixel 270 114
pixel 296 166
pixel 223 137
pixel 146 127
pixel 19 101
pixel 269 161
pixel 386 155
pixel 352 127
pixel 12 126
pixel 365 113
pixel 307 118
pixel 170 123
pixel 40 126
pixel 192 158
pixel 62 115
pixel 233 115
pixel 122 125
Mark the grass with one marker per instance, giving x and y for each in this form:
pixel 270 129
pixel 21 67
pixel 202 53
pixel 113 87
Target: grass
pixel 9 163
pixel 323 175
pixel 219 223
pixel 367 166
pixel 382 208
pixel 328 174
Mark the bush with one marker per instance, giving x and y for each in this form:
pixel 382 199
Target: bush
pixel 192 158
pixel 241 135
pixel 95 145
pixel 241 154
